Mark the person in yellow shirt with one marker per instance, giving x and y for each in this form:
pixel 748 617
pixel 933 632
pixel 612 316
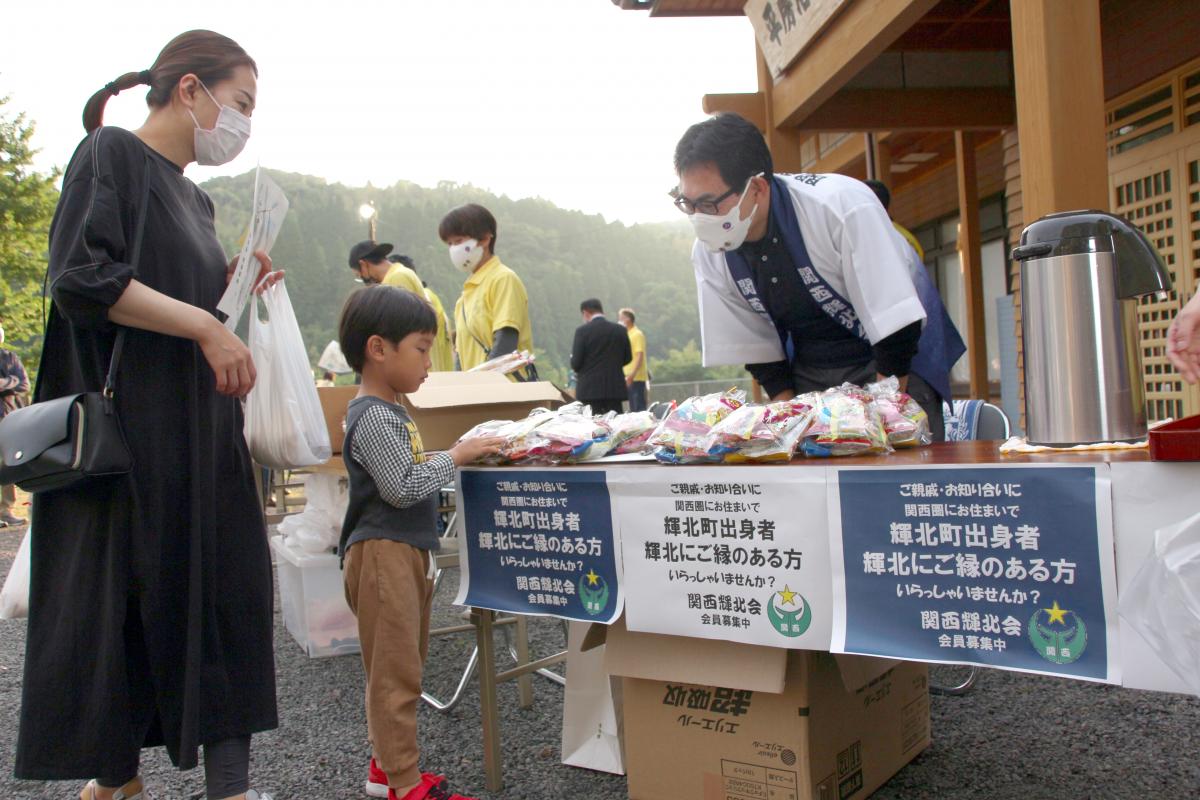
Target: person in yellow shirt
pixel 885 199
pixel 442 355
pixel 369 260
pixel 637 371
pixel 491 317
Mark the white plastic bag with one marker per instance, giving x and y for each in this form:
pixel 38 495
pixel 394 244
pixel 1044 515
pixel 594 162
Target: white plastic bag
pixel 1162 602
pixel 318 527
pixel 333 360
pixel 14 597
pixel 285 427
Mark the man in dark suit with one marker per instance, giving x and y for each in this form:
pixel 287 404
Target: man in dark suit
pixel 599 355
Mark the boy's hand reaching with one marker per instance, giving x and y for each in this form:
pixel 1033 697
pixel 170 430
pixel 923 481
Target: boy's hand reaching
pixel 471 450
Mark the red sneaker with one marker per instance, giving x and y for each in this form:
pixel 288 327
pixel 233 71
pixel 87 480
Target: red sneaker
pixel 377 781
pixel 431 787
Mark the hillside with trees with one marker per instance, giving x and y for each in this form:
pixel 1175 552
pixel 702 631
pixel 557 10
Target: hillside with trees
pixel 562 256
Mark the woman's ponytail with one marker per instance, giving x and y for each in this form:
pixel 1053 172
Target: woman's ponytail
pixel 209 56
pixel 93 112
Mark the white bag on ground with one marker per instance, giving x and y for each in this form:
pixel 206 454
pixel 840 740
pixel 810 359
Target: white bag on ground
pixel 318 527
pixel 14 597
pixel 592 720
pixel 1162 602
pixel 285 427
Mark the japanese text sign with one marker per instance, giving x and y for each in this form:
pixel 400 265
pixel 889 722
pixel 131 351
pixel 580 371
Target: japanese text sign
pixel 1009 567
pixel 726 553
pixel 539 542
pixel 784 28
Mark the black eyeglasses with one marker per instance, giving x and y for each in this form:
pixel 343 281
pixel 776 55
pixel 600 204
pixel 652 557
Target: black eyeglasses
pixel 690 206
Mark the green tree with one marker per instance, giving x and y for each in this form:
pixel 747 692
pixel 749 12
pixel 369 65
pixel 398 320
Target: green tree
pixel 27 201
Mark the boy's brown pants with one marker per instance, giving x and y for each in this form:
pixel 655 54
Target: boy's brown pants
pixel 389 591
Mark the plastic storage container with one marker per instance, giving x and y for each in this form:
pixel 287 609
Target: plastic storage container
pixel 311 592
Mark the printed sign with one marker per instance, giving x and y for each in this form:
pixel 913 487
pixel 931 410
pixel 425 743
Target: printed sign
pixel 784 28
pixel 539 542
pixel 728 553
pixel 1009 567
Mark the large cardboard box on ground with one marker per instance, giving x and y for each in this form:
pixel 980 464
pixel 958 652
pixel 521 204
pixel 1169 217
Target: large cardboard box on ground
pixel 719 721
pixel 449 404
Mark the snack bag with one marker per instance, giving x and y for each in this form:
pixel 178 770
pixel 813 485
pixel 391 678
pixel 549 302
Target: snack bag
pixel 631 432
pixel 845 424
pixel 683 436
pixel 904 421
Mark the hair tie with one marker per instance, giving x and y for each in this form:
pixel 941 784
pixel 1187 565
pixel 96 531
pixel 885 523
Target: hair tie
pixel 145 76
pixel 112 89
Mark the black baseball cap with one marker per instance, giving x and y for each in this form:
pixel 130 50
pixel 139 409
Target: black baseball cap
pixel 370 250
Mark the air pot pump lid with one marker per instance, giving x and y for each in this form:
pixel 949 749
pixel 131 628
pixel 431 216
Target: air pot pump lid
pixel 1140 268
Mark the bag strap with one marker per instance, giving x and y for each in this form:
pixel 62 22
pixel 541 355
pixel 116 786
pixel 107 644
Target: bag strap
pixel 138 236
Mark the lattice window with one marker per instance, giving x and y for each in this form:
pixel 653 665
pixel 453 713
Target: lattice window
pixel 1149 202
pixel 1142 119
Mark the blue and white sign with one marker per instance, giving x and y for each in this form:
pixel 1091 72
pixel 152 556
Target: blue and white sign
pixel 1008 567
pixel 539 542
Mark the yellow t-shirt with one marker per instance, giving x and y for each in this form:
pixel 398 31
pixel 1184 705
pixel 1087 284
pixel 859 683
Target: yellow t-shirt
pixel 443 349
pixel 907 234
pixel 493 297
pixel 405 278
pixel 637 343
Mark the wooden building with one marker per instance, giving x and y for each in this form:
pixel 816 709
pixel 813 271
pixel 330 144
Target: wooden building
pixel 982 116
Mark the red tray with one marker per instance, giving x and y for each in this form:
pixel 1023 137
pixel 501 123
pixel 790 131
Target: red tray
pixel 1176 441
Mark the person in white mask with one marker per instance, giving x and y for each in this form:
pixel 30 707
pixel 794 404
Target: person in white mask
pixel 802 277
pixel 152 591
pixel 491 317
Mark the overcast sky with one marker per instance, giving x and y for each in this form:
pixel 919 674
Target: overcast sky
pixel 574 101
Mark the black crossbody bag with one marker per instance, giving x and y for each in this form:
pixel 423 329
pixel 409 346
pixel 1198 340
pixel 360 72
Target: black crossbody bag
pixel 60 443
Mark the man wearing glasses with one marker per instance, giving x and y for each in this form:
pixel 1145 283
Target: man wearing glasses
pixel 369 260
pixel 802 277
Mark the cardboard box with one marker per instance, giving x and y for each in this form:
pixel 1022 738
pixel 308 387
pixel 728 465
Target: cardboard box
pixel 449 404
pixel 334 400
pixel 313 601
pixel 840 727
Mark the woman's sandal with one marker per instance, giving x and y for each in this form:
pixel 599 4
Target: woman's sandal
pixel 130 791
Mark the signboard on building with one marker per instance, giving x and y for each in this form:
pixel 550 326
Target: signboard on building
pixel 784 28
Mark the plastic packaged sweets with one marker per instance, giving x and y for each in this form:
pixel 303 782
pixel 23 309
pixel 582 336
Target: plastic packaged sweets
pixel 684 435
pixel 904 421
pixel 631 432
pixel 509 362
pixel 845 423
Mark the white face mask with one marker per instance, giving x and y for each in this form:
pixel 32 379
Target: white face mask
pixel 466 255
pixel 227 137
pixel 721 232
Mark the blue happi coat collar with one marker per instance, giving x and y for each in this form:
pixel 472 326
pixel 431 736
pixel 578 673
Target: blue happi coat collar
pixel 940 344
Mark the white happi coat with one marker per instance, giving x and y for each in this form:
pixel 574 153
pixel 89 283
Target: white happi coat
pixel 853 246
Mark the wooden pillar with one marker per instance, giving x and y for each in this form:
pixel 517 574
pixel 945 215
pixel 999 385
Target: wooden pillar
pixel 784 145
pixel 971 256
pixel 883 160
pixel 1060 105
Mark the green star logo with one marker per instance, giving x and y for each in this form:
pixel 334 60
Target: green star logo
pixel 789 613
pixel 593 593
pixel 1057 634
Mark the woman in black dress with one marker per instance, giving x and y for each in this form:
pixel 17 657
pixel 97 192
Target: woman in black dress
pixel 151 601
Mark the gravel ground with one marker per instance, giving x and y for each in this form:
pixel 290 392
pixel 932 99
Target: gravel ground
pixel 1015 737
